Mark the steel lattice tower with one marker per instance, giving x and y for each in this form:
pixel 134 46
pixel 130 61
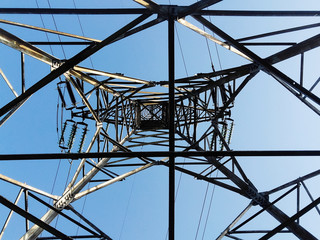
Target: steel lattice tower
pixel 117 125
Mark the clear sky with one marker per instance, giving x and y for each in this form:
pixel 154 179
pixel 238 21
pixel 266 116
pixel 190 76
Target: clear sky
pixel 266 117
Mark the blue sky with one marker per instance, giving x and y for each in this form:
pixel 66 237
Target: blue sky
pixel 266 117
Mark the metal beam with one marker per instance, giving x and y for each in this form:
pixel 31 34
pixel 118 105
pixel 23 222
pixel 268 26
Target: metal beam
pixel 26 48
pixel 204 178
pixel 251 192
pixel 10 214
pixel 112 75
pixel 66 216
pixel 263 209
pixel 47 30
pixel 295 50
pixel 279 32
pixel 26 186
pixel 8 83
pixel 310 196
pixel 195 7
pixel 84 99
pixel 111 181
pixel 212 38
pixel 32 218
pixel 267 67
pixel 89 223
pixel 11 112
pixel 234 222
pixel 149 4
pixel 68 195
pixel 116 11
pixel 74 156
pixel 298 180
pixel 285 54
pixel 61 43
pixel 237 13
pixel 77 11
pixel 87 52
pixel 171 77
pixel 291 220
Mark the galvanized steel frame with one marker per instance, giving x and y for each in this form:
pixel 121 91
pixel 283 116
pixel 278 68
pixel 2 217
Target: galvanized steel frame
pixel 188 102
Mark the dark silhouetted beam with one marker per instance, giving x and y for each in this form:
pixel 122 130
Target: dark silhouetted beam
pixel 278 75
pixel 279 32
pixel 291 220
pixel 171 77
pixel 196 7
pixel 277 153
pixel 258 13
pixel 70 63
pixel 78 11
pixel 33 219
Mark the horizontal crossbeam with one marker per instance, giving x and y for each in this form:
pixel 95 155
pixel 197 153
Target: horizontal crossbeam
pixel 47 156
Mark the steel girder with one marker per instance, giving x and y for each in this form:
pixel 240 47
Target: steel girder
pixel 123 103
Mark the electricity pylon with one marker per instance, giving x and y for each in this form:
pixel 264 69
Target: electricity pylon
pixel 177 118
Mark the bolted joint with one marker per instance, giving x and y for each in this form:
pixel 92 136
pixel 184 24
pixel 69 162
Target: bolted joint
pixel 173 11
pixel 64 201
pixel 56 63
pixel 261 199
